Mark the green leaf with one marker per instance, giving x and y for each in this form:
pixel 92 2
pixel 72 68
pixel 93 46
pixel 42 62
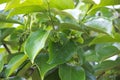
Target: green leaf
pixel 2 55
pixel 106 38
pixel 25 10
pixel 4 32
pixel 106 65
pixel 106 52
pixel 43 66
pixel 35 42
pixel 100 24
pixel 22 3
pixel 107 3
pixel 4 19
pixel 73 26
pixel 68 72
pixel 3 1
pixel 14 63
pixel 62 4
pixel 53 76
pixel 91 55
pixel 59 53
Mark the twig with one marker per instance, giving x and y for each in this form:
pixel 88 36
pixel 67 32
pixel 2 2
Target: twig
pixel 7 49
pixel 50 14
pixel 100 75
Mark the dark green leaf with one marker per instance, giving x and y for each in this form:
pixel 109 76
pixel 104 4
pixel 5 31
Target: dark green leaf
pixel 61 53
pixel 43 66
pixel 68 72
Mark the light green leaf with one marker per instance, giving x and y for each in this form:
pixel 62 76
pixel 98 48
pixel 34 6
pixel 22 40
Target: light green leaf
pixel 35 42
pixel 2 55
pixel 43 66
pixel 3 1
pixel 61 4
pixel 106 38
pixel 100 24
pixel 68 72
pixel 14 63
pixel 22 3
pixel 107 3
pixel 25 10
pixel 59 53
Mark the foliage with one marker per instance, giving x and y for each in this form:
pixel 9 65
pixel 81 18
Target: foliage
pixel 59 40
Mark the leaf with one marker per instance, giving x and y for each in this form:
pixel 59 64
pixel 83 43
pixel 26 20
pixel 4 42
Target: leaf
pixel 106 52
pixel 3 1
pixel 2 55
pixel 73 26
pixel 4 19
pixel 53 76
pixel 43 66
pixel 62 4
pixel 68 72
pixel 35 42
pixel 106 65
pixel 4 32
pixel 91 55
pixel 105 38
pixel 107 3
pixel 100 24
pixel 22 3
pixel 14 63
pixel 60 54
pixel 25 10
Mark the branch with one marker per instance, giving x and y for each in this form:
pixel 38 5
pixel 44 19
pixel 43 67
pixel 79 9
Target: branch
pixel 7 49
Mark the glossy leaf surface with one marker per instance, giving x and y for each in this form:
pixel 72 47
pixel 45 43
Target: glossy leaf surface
pixel 37 40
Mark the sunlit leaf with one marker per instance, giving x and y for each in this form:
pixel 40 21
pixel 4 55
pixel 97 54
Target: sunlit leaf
pixel 35 42
pixel 62 4
pixel 14 63
pixel 106 38
pixel 100 25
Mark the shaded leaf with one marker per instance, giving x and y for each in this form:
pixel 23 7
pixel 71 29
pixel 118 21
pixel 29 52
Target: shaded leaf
pixel 53 76
pixel 106 65
pixel 61 53
pixel 68 72
pixel 4 32
pixel 43 66
pixel 35 42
